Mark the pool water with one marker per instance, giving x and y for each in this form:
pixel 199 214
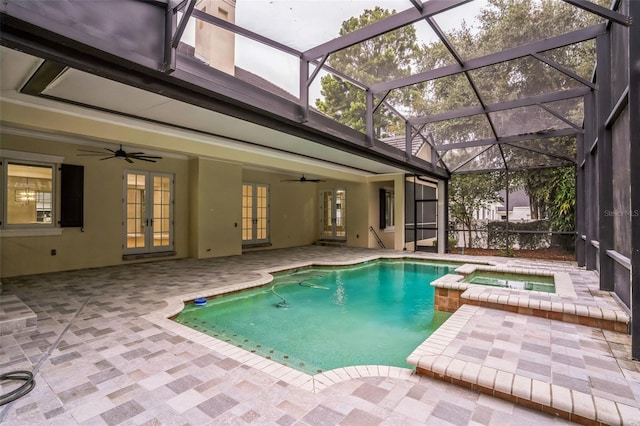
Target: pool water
pixel 318 319
pixel 516 281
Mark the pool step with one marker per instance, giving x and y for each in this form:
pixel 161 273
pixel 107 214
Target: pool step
pixel 331 243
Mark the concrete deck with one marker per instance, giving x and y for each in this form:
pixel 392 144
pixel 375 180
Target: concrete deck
pixel 103 353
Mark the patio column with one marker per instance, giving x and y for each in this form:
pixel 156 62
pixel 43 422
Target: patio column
pixel 605 178
pixel 591 184
pixel 634 132
pixel 580 202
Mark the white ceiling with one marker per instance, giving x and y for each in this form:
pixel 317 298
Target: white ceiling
pixel 88 89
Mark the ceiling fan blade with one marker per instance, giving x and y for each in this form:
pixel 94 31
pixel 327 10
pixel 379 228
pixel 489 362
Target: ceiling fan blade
pixel 107 158
pixel 129 160
pixel 91 151
pixel 315 180
pixel 141 159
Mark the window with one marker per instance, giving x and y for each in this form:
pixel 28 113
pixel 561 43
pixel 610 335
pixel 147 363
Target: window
pixel 28 197
pixel 255 213
pixel 32 189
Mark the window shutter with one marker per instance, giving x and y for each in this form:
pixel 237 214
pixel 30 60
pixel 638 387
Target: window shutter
pixel 71 196
pixel 383 208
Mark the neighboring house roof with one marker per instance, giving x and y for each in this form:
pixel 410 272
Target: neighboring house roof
pixel 263 83
pixel 243 75
pixel 399 142
pixel 517 198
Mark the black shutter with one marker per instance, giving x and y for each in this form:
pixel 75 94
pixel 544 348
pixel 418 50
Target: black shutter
pixel 71 196
pixel 383 208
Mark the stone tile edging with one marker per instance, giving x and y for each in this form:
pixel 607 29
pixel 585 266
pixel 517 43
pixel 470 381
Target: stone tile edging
pixel 562 305
pixel 569 404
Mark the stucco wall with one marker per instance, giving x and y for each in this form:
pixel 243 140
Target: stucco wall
pixel 99 243
pixel 293 209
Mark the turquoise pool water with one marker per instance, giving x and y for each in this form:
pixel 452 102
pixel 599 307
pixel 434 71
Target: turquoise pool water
pixel 516 281
pixel 318 319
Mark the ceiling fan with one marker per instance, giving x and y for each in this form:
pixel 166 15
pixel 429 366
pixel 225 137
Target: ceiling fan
pixel 302 180
pixel 120 154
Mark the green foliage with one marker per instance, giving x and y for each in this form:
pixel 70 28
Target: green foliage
pixel 469 192
pixel 387 57
pixel 497 237
pixel 563 199
pixel 504 24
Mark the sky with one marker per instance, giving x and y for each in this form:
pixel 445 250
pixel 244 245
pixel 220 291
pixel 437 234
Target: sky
pixel 302 24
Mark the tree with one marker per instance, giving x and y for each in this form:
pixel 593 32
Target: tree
pixel 387 57
pixel 470 192
pixel 536 185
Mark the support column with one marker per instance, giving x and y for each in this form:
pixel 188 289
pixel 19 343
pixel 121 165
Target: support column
pixel 605 178
pixel 591 173
pixel 580 202
pixel 369 117
pixel 506 169
pixel 634 132
pixel 443 216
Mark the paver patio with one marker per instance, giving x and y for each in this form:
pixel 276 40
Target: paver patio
pixel 99 358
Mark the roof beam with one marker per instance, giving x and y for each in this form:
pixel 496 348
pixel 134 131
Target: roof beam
pixel 494 58
pixel 540 151
pixel 507 139
pixel 601 11
pixel 501 106
pixel 564 70
pixel 383 26
pixel 198 14
pixel 183 23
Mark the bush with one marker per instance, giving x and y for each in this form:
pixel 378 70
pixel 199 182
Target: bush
pixel 497 237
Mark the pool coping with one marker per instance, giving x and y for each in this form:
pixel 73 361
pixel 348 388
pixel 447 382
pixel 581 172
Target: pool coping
pixel 562 305
pixel 429 360
pixel 313 383
pixel 562 280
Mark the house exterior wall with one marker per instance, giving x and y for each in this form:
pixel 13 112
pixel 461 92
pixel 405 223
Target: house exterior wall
pixel 99 242
pixel 293 209
pixel 208 182
pixel 218 205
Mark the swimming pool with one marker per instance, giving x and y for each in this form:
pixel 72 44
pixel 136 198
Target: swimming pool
pixel 320 318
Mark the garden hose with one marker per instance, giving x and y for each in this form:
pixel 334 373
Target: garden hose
pixel 25 388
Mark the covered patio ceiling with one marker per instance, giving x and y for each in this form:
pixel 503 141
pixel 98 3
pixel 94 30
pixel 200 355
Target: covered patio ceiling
pixel 518 103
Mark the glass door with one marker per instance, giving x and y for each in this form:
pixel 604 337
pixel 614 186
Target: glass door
pixel 255 213
pixel 333 215
pixel 148 212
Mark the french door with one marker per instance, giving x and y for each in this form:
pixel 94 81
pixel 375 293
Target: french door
pixel 333 216
pixel 255 213
pixel 148 212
